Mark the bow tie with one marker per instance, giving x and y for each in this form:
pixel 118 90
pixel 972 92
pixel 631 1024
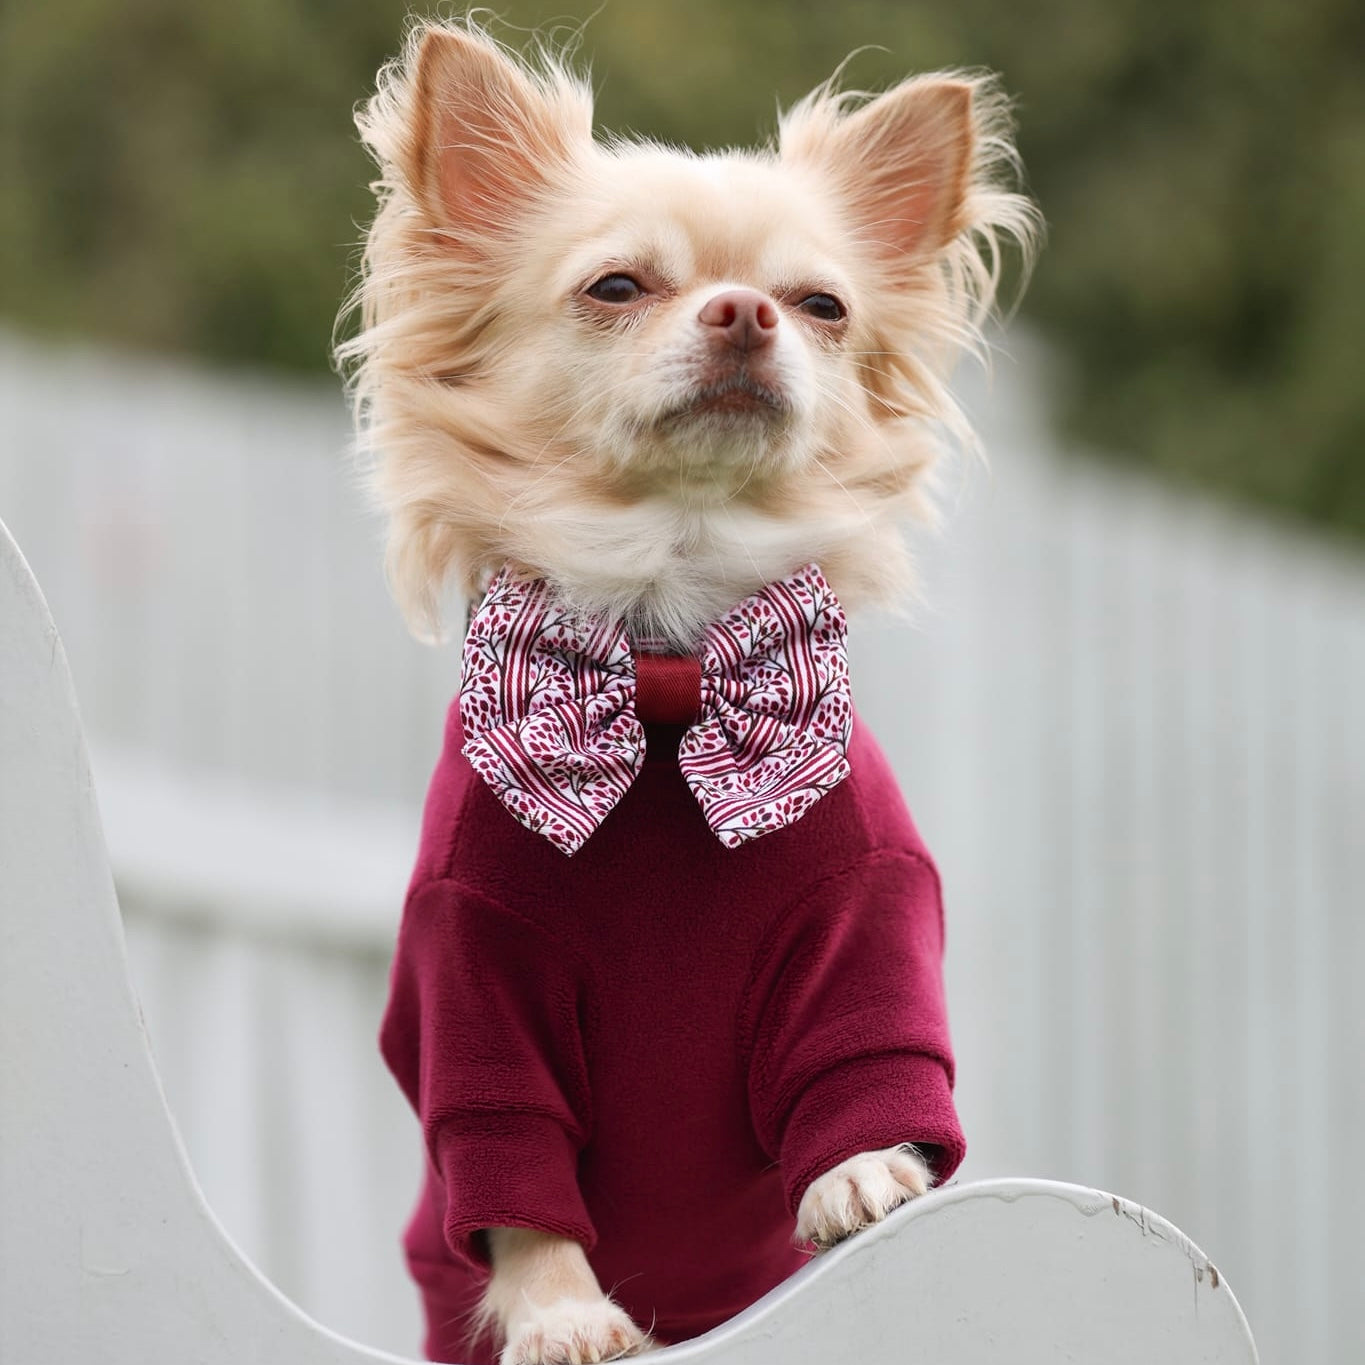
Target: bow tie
pixel 550 703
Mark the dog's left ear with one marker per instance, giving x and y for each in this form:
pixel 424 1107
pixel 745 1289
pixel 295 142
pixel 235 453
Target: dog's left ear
pixel 901 162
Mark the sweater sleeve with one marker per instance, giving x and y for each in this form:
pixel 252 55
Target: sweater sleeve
pixel 849 1036
pixel 482 1033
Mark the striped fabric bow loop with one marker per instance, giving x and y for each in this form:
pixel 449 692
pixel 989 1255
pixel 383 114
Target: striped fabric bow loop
pixel 547 700
pixel 775 709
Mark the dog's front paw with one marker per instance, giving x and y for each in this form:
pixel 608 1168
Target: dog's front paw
pixel 859 1192
pixel 572 1332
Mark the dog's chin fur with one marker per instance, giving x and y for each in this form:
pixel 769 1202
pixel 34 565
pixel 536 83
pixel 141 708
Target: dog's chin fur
pixel 614 450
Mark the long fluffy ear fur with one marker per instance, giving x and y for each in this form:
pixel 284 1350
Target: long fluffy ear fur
pixel 900 162
pixel 485 136
pixel 924 171
pixel 468 139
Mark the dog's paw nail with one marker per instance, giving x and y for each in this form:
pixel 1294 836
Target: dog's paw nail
pixel 573 1332
pixel 859 1192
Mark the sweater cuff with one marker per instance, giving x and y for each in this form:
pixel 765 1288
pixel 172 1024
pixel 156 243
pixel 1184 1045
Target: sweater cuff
pixel 508 1171
pixel 868 1104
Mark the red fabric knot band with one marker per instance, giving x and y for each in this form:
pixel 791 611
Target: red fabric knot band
pixel 667 688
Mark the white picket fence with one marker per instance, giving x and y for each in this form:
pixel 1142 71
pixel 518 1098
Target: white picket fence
pixel 1131 727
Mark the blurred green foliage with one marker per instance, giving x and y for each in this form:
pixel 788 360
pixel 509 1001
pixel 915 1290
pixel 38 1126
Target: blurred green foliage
pixel 186 177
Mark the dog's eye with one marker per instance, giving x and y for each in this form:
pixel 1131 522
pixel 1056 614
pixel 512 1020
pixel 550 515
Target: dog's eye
pixel 615 289
pixel 823 306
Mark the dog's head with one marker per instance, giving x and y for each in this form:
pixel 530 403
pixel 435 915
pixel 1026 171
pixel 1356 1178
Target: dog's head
pixel 656 378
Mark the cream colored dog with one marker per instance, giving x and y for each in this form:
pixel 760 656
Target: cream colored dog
pixel 546 374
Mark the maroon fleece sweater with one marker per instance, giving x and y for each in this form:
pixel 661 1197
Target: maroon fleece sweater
pixel 653 1047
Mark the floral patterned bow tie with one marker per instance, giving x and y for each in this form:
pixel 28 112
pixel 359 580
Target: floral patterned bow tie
pixel 548 699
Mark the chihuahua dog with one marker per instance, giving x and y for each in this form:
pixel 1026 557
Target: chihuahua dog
pixel 645 403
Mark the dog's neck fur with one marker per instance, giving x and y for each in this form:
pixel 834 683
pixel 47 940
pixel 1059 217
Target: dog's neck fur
pixel 667 568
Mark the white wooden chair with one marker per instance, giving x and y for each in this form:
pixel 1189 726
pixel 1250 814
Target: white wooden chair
pixel 108 1252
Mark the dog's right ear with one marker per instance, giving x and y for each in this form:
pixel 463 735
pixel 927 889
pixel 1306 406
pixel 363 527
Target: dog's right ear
pixel 487 135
